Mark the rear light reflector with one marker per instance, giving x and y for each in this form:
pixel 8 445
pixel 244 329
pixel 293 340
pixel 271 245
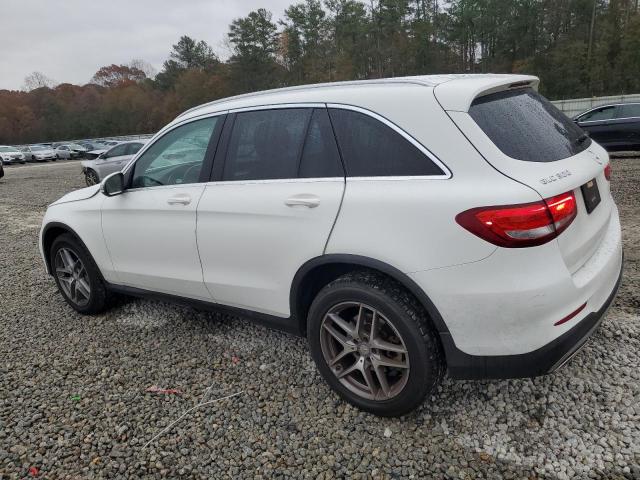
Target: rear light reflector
pixel 524 225
pixel 607 172
pixel 571 315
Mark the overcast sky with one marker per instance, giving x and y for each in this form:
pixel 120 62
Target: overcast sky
pixel 70 40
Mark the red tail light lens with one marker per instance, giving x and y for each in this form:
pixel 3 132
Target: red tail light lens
pixel 607 172
pixel 525 225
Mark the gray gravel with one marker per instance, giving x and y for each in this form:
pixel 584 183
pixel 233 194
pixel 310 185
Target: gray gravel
pixel 73 401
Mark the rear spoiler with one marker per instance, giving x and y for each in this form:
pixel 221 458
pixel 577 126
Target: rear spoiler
pixel 458 94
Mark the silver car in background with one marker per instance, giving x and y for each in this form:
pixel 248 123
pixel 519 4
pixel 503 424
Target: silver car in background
pixel 113 160
pixel 10 155
pixel 65 152
pixel 38 153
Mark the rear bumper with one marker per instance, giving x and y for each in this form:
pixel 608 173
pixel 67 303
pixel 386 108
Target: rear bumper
pixel 545 359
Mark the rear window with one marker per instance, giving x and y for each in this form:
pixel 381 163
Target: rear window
pixel 526 126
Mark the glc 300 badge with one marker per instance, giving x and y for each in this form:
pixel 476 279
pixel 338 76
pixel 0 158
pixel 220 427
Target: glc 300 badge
pixel 555 176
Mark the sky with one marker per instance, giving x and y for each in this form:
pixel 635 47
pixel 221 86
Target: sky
pixel 69 40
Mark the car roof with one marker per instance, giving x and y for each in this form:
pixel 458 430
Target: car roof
pixel 455 91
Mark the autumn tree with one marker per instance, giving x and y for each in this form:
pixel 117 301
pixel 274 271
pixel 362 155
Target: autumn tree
pixel 117 75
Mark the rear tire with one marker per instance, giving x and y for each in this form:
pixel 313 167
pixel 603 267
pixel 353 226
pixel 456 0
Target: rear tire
pixel 77 275
pixel 366 329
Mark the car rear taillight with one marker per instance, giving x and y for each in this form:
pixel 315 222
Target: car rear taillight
pixel 525 225
pixel 607 172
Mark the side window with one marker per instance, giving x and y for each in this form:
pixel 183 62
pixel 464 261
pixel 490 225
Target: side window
pixel 177 157
pixel 629 111
pixel 133 148
pixel 266 144
pixel 116 151
pixel 605 113
pixel 320 156
pixel 372 149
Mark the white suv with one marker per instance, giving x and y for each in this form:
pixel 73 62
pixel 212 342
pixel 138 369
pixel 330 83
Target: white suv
pixel 406 226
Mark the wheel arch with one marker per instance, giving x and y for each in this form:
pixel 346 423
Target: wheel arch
pixel 52 231
pixel 317 272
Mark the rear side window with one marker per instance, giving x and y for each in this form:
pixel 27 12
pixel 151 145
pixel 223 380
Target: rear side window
pixel 266 144
pixel 526 126
pixel 372 149
pixel 631 110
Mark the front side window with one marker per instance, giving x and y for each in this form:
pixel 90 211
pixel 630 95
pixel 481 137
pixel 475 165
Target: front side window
pixel 177 157
pixel 526 126
pixel 116 151
pixel 604 113
pixel 133 148
pixel 372 149
pixel 266 144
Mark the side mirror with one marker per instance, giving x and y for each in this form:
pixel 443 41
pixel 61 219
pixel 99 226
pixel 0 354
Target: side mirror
pixel 113 184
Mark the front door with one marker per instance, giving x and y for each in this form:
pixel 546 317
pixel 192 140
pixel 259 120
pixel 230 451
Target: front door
pixel 150 228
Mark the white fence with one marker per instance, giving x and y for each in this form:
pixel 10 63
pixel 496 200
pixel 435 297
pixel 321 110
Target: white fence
pixel 575 106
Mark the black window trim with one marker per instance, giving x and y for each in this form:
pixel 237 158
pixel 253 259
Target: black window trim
pixel 218 164
pixel 221 154
pixel 207 163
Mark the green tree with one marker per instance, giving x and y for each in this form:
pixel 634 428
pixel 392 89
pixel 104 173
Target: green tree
pixel 255 42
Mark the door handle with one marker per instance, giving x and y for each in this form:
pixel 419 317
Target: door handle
pixel 181 199
pixel 303 200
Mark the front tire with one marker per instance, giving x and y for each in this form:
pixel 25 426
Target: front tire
pixel 373 343
pixel 91 178
pixel 77 276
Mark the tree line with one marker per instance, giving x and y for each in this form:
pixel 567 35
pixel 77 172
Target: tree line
pixel 577 47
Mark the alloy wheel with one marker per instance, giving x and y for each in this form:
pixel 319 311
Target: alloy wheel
pixel 91 178
pixel 73 276
pixel 364 350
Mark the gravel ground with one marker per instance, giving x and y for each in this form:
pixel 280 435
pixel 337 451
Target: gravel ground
pixel 73 401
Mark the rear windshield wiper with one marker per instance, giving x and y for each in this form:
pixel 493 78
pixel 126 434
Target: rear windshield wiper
pixel 582 138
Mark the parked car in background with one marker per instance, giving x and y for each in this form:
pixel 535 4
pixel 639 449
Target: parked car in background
pixel 90 146
pixel 65 152
pixel 11 155
pixel 38 153
pixel 112 160
pixel 79 149
pixel 93 154
pixel 405 226
pixel 615 127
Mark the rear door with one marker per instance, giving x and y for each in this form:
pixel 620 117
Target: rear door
pixel 629 118
pixel 276 191
pixel 529 140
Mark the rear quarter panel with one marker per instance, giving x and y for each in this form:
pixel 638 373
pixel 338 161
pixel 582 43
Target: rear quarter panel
pixel 408 222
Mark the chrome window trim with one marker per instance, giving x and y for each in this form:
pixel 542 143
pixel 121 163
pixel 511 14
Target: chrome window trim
pixel 276 181
pixel 445 176
pixel 608 120
pixel 277 106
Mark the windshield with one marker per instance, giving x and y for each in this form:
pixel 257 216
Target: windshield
pixel 526 126
pixel 7 149
pixel 37 148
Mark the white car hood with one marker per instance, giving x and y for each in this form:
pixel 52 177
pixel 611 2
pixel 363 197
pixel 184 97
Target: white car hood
pixel 80 194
